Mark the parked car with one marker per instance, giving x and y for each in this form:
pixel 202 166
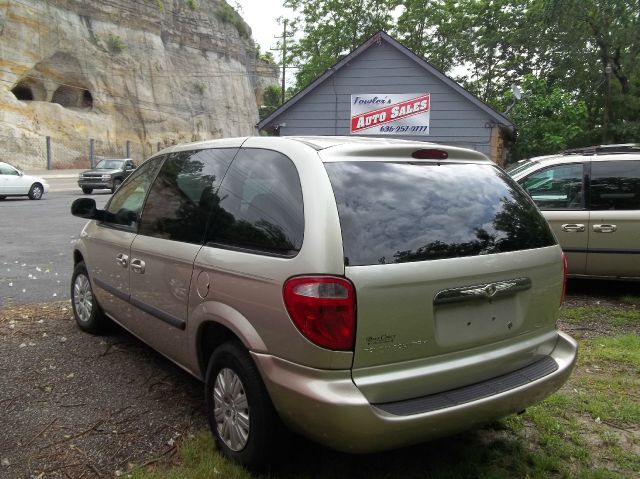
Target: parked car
pixel 107 174
pixel 368 293
pixel 14 182
pixel 591 199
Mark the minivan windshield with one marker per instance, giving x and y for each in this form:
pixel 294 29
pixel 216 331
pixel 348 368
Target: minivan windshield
pixel 398 212
pixel 110 165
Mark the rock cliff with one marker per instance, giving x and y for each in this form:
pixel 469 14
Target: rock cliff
pixel 140 73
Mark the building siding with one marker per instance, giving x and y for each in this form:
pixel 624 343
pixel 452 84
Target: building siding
pixel 383 69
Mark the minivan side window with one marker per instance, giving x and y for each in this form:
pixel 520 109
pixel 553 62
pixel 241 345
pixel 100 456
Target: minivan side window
pixel 558 187
pixel 126 203
pixel 260 205
pixel 615 185
pixel 184 194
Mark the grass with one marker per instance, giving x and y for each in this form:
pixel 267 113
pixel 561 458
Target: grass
pixel 588 314
pixel 630 299
pixel 589 429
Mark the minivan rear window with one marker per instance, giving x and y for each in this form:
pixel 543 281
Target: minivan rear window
pixel 393 212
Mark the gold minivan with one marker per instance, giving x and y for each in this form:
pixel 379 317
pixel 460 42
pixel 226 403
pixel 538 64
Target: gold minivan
pixel 591 199
pixel 367 293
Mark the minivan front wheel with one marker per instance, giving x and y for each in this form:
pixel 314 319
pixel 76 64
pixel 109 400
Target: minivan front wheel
pixel 86 311
pixel 241 415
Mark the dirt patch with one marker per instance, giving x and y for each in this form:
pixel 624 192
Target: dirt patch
pixel 75 405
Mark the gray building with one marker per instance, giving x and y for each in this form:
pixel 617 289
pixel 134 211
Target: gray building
pixel 383 70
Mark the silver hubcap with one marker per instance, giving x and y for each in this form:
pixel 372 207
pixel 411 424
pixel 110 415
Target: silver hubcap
pixel 37 192
pixel 82 298
pixel 231 410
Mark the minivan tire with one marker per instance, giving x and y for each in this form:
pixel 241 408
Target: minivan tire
pixel 87 191
pixel 86 310
pixel 248 400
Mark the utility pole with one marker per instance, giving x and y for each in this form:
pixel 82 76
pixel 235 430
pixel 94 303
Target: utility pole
pixel 607 103
pixel 283 49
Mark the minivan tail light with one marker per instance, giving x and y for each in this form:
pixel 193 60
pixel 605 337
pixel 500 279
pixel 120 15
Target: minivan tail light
pixel 564 278
pixel 323 308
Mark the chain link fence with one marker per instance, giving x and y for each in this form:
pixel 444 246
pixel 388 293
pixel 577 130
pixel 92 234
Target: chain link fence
pixel 43 153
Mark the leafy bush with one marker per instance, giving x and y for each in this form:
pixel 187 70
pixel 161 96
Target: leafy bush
pixel 115 43
pixel 192 4
pixel 199 88
pixel 227 14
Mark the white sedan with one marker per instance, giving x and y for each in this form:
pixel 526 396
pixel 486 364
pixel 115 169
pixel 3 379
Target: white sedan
pixel 14 182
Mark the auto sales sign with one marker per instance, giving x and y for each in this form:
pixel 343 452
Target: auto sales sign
pixel 381 114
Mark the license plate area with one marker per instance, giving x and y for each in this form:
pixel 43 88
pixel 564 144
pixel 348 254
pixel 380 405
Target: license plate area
pixel 478 321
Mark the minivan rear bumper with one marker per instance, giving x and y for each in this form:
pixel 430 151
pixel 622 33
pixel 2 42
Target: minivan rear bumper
pixel 328 407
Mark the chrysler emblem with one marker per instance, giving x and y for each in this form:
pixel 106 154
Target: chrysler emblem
pixel 490 290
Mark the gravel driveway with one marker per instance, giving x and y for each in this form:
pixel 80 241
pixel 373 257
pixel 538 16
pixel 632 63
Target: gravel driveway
pixel 75 405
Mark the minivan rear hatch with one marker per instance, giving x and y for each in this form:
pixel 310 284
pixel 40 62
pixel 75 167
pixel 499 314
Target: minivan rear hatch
pixel 457 276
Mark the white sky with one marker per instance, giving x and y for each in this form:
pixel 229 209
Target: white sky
pixel 262 15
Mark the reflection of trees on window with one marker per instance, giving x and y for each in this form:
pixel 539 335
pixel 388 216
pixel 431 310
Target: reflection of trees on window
pixel 179 203
pixel 516 226
pixel 260 207
pixel 615 185
pixel 262 235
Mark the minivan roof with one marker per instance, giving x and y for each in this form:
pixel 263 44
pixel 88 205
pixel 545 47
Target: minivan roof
pixel 334 147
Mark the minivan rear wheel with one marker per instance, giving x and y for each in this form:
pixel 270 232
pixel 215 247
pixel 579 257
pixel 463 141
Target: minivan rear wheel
pixel 86 311
pixel 242 418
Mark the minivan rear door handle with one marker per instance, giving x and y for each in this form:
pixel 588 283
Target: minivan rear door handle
pixel 605 228
pixel 137 266
pixel 573 228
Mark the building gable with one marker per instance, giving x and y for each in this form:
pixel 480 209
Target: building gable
pixel 383 66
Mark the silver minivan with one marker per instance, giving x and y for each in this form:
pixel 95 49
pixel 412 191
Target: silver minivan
pixel 591 199
pixel 366 293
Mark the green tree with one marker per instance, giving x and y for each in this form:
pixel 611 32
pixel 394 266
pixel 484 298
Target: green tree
pixel 431 29
pixel 331 29
pixel 602 35
pixel 270 100
pixel 548 119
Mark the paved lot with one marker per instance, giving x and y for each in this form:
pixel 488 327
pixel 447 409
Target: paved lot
pixel 35 258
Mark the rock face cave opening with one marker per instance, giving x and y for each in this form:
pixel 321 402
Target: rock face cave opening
pixel 29 89
pixel 73 97
pixel 22 92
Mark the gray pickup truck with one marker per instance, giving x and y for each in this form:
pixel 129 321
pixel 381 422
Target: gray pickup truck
pixel 107 174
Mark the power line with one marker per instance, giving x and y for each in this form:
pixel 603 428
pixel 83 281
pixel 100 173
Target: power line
pixel 284 37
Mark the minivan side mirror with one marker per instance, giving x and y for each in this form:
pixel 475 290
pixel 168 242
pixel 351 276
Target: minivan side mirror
pixel 86 208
